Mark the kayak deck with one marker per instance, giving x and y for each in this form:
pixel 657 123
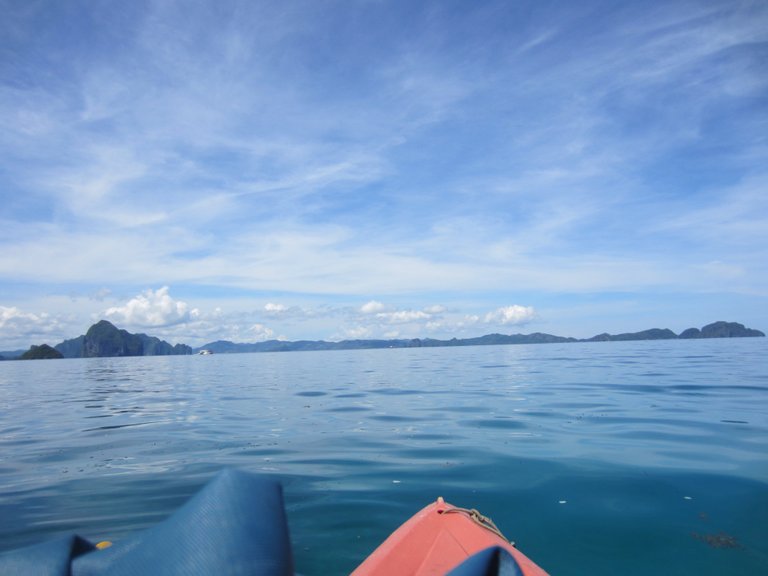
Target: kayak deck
pixel 436 540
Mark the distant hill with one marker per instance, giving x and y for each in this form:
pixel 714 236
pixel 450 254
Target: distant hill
pixel 103 339
pixel 715 330
pixel 652 334
pixel 226 347
pixel 721 330
pixel 42 352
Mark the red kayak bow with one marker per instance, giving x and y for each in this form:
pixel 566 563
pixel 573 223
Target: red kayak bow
pixel 436 540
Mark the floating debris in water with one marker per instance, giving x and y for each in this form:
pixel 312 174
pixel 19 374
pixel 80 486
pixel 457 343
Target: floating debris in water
pixel 721 540
pixel 687 498
pixel 562 501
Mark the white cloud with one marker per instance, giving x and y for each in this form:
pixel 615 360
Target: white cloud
pixel 434 321
pixel 358 332
pixel 372 307
pixel 20 329
pixel 152 308
pixel 260 332
pixel 377 310
pixel 403 316
pixel 511 315
pixel 732 216
pixel 436 309
pixel 272 308
pixel 12 317
pixel 540 38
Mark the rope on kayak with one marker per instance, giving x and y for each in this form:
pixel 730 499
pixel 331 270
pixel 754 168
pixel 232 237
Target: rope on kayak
pixel 480 520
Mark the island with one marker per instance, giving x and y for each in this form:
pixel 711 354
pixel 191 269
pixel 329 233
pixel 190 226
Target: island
pixel 715 330
pixel 42 352
pixel 721 330
pixel 103 339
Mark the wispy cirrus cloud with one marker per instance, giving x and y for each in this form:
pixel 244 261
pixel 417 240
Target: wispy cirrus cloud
pixel 480 153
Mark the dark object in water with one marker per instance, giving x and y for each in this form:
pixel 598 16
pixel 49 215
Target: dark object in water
pixel 720 540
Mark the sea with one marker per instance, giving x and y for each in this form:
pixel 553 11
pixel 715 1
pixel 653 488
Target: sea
pixel 628 458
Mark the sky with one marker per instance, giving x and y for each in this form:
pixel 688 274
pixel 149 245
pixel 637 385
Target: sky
pixel 250 170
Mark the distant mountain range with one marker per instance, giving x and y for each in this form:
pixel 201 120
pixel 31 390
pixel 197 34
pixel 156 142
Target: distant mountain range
pixel 714 330
pixel 103 339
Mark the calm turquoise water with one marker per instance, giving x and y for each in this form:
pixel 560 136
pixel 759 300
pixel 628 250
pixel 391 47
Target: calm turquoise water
pixel 596 458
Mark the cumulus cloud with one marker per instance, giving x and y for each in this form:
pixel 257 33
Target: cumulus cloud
pixel 152 308
pixel 272 308
pixel 20 329
pixel 403 316
pixel 511 315
pixel 382 313
pixel 14 320
pixel 372 307
pixel 261 332
pixel 357 332
pixel 13 317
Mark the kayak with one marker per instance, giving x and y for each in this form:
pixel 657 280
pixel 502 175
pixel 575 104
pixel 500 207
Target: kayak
pixel 438 539
pixel 237 525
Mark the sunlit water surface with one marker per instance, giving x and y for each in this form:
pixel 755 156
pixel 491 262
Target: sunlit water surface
pixel 601 458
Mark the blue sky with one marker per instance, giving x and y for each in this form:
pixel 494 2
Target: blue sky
pixel 344 169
